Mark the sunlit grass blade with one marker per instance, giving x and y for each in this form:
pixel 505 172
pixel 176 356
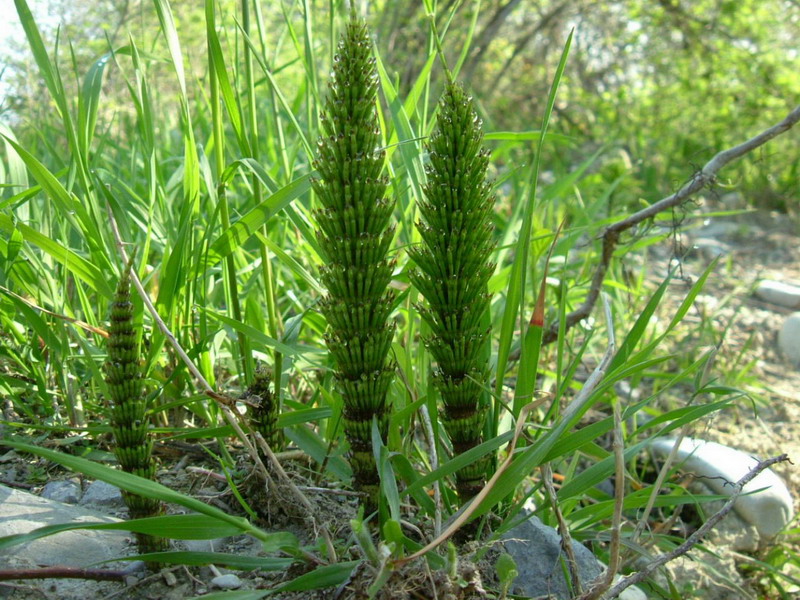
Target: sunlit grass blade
pixel 252 221
pixel 231 561
pixel 176 527
pixel 138 485
pixel 515 293
pixel 84 270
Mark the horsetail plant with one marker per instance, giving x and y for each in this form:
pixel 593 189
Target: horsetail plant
pixel 452 273
pixel 133 444
pixel 264 409
pixel 355 235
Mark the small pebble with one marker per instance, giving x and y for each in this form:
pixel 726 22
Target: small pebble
pixel 169 577
pixel 227 582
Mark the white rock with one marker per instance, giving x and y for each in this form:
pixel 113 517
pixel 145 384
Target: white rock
pixel 769 510
pixel 227 582
pixel 789 338
pixel 21 512
pixel 630 593
pixel 777 292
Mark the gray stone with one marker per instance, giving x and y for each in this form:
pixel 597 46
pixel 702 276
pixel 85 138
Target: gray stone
pixel 789 338
pixel 709 248
pixel 769 510
pixel 100 493
pixel 722 229
pixel 779 293
pixel 21 512
pixel 68 491
pixel 536 549
pixel 227 582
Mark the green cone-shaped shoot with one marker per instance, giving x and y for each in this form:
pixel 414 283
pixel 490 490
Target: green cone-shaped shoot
pixel 453 272
pixel 354 234
pixel 133 444
pixel 263 410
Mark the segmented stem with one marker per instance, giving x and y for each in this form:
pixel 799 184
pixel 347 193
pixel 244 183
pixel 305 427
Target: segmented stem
pixel 452 273
pixel 355 236
pixel 133 444
pixel 264 410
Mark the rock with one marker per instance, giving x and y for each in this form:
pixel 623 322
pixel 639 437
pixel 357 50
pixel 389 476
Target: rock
pixel 722 229
pixel 536 550
pixel 215 545
pixel 789 338
pixel 709 248
pixel 100 493
pixel 227 582
pixel 169 577
pixel 68 491
pixel 769 510
pixel 21 512
pixel 732 532
pixel 779 293
pixel 629 593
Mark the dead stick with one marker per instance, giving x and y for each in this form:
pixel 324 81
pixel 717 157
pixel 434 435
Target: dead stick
pixel 563 530
pixel 59 572
pixel 704 177
pixel 603 581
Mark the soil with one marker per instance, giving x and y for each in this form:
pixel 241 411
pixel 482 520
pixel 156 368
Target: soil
pixel 764 423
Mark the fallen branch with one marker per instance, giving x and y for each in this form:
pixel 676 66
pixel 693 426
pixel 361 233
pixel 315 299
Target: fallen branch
pixel 697 536
pixel 59 572
pixel 704 177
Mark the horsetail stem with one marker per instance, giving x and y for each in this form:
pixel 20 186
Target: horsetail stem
pixel 452 273
pixel 355 236
pixel 133 444
pixel 264 409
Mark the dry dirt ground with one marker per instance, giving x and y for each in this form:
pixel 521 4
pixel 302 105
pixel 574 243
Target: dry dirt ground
pixel 753 247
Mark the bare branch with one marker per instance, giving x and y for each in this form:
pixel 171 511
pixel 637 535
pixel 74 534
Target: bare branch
pixel 697 536
pixel 704 177
pixel 603 581
pixel 60 572
pixel 563 530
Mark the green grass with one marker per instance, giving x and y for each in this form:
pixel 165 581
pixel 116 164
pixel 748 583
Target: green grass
pixel 207 172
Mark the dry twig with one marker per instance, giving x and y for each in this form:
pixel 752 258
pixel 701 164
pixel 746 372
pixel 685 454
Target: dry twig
pixel 60 572
pixel 563 530
pixel 697 536
pixel 703 178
